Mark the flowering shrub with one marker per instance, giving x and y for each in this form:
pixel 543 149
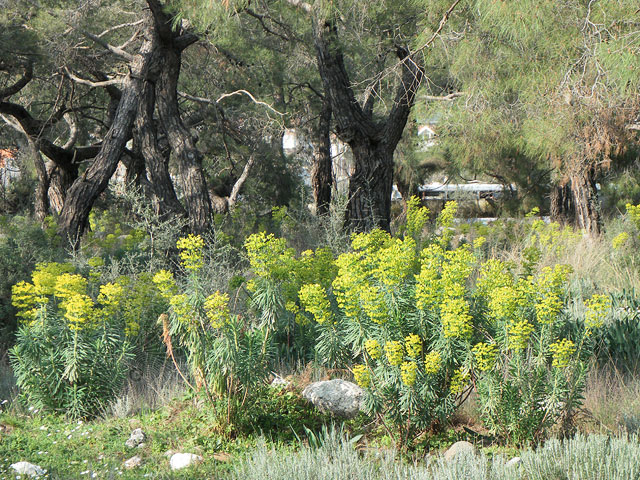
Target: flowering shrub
pixel 426 324
pixel 72 349
pixel 227 354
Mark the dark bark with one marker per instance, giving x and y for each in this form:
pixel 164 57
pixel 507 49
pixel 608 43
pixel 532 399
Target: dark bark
pixel 585 201
pixel 321 171
pixel 183 144
pixel 86 189
pixel 561 208
pixel 156 160
pixel 41 200
pixel 371 142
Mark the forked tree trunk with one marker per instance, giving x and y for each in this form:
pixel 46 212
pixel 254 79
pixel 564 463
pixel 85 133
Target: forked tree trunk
pixel 321 171
pixel 371 142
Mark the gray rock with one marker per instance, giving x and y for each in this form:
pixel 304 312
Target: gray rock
pixel 457 449
pixel 133 462
pixel 136 438
pixel 339 397
pixel 278 381
pixel 513 462
pixel 26 468
pixel 182 460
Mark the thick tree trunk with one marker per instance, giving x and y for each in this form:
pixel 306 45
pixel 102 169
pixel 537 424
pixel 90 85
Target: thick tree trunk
pixel 86 189
pixel 183 144
pixel 561 208
pixel 321 171
pixel 157 161
pixel 41 200
pixel 372 143
pixel 586 202
pixel 60 180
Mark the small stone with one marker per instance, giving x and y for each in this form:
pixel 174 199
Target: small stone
pixel 26 468
pixel 133 462
pixel 458 448
pixel 513 462
pixel 278 381
pixel 136 438
pixel 142 445
pixel 179 461
pixel 339 397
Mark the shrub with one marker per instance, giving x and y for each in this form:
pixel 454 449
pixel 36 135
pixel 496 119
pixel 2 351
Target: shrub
pixel 72 351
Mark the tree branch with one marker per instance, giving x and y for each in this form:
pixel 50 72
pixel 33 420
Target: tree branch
pixel 445 98
pixel 20 84
pixel 115 50
pixel 105 83
pixel 225 95
pixel 238 185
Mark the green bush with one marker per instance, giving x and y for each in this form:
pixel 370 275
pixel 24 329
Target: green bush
pixel 72 352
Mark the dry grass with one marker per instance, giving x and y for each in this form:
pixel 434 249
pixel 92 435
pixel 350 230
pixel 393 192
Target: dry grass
pixel 612 401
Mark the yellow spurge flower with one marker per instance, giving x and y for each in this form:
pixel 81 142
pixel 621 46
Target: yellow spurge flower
pixel 95 262
pixel 619 240
pixel 428 287
pixel 371 241
pixel 24 298
pixel 314 300
pixel 518 333
pixel 269 256
pixel 361 375
pixel 216 307
pixel 459 381
pixel 292 307
pixel 77 309
pixel 110 294
pixel 598 307
pixel 634 213
pixel 181 308
pixel 45 275
pixel 432 363
pixel 485 355
pixel 417 216
pixel 372 347
pixel 391 264
pixel 504 302
pixel 191 251
pixel 553 280
pixel 373 304
pixel 494 274
pixel 413 345
pixel 166 284
pixel 68 285
pixel 457 266
pixel 562 351
pixel 479 242
pixel 447 214
pixel 408 373
pixel 394 352
pixel 548 309
pixel 456 321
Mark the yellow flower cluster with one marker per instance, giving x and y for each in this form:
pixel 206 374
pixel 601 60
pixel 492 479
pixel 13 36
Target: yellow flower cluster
pixel 479 242
pixel 45 275
pixel 417 216
pixel 548 308
pixel 269 256
pixel 77 310
pixel 456 321
pixel 110 294
pixel 428 289
pixel 620 240
pixel 373 304
pixel 485 355
pixel 166 284
pixel 216 306
pixel 634 213
pixel 494 274
pixel 372 347
pixel 432 363
pixel 447 214
pixel 598 307
pixel 518 333
pixel 408 373
pixel 562 351
pixel 394 352
pixel 361 375
pixel 293 307
pixel 68 285
pixel 191 251
pixel 315 301
pixel 413 345
pixel 459 381
pixel 181 308
pixel 504 302
pixel 24 298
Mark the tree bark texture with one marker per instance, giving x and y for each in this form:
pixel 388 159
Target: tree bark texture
pixel 183 144
pixel 321 171
pixel 586 202
pixel 371 142
pixel 561 208
pixel 86 189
